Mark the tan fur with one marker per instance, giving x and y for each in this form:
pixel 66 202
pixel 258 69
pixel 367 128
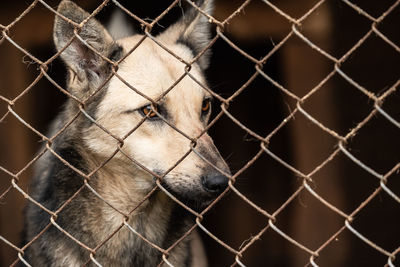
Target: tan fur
pixel 152 70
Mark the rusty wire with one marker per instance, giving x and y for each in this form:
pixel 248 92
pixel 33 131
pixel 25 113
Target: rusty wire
pixel 264 141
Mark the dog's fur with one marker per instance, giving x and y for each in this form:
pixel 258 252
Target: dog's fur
pixel 154 144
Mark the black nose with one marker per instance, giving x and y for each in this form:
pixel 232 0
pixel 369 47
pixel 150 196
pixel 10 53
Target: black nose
pixel 215 183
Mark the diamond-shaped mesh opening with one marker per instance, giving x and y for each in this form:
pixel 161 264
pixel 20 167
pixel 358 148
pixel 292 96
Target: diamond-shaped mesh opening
pixel 310 213
pixel 320 144
pixel 268 248
pixel 341 96
pixel 377 64
pixel 304 61
pixel 12 160
pixel 385 28
pixel 35 99
pixel 305 113
pixel 354 195
pixel 28 30
pixel 226 228
pixel 327 187
pixel 347 35
pixel 316 27
pixel 373 148
pixel 21 67
pixel 259 99
pixel 367 253
pixel 276 179
pixel 369 221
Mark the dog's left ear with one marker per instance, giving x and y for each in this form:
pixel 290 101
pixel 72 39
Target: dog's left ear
pixel 88 66
pixel 193 30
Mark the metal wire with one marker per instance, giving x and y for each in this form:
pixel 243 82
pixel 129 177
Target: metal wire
pixel 271 217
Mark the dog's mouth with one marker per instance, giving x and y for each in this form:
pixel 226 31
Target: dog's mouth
pixel 196 200
pixel 196 192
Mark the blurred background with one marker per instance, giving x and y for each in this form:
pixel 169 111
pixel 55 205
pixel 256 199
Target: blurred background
pixel 335 27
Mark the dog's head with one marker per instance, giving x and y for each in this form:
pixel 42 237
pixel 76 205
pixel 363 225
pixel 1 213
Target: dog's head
pixel 171 123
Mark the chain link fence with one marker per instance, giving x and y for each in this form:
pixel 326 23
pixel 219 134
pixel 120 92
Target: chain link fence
pixel 307 115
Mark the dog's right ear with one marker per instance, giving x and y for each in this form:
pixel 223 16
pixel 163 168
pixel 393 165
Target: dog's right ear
pixel 88 66
pixel 193 30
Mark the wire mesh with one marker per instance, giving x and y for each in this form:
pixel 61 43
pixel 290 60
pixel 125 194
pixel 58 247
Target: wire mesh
pixel 307 179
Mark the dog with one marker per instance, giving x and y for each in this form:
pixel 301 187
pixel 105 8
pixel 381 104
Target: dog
pixel 122 114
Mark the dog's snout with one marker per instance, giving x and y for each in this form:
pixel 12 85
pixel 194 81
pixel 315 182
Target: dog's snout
pixel 215 183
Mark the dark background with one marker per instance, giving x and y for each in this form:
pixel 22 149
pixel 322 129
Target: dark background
pixel 334 27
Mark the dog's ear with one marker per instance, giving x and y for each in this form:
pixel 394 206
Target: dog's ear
pixel 193 30
pixel 89 67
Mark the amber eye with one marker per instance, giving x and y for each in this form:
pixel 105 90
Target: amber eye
pixel 148 111
pixel 205 107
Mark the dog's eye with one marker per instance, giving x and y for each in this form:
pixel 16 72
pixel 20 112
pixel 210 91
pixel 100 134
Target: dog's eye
pixel 148 111
pixel 205 106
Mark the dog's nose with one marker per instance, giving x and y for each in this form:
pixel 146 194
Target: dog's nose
pixel 215 183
